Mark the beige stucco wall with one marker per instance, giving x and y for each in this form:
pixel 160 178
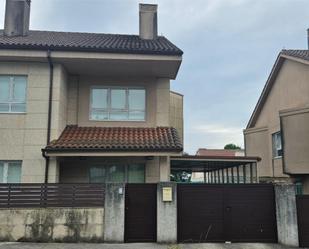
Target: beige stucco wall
pixel 256 141
pixel 295 130
pixel 176 113
pixel 157 100
pixel 52 224
pixel 290 90
pixel 22 136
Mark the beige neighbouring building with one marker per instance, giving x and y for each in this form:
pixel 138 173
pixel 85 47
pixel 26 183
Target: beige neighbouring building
pixel 278 130
pixel 111 114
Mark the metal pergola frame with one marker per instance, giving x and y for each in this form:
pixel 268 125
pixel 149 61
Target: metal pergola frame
pixel 219 170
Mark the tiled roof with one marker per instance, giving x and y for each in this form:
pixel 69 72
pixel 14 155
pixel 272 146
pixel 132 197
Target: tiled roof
pixel 302 54
pixel 74 41
pixel 116 139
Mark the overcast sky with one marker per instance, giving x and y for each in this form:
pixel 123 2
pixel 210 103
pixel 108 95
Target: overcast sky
pixel 229 49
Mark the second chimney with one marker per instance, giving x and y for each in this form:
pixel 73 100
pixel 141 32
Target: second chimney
pixel 17 15
pixel 148 26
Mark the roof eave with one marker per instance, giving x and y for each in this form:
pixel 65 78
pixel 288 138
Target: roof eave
pixel 88 49
pixel 217 158
pixel 269 83
pixel 270 80
pixel 110 152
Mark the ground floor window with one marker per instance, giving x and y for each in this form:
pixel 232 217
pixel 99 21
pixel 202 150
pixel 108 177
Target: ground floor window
pixel 299 187
pixel 10 171
pixel 117 173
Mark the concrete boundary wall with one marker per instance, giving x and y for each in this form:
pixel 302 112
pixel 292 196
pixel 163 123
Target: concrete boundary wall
pixel 108 224
pixel 166 214
pixel 52 224
pixel 114 212
pixel 286 212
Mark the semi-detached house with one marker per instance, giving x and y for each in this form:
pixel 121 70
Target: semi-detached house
pixel 279 125
pixel 97 108
pixel 87 107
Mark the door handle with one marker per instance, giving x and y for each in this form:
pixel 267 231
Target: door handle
pixel 228 209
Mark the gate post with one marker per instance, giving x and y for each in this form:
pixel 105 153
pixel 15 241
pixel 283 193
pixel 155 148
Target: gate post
pixel 114 212
pixel 286 213
pixel 167 212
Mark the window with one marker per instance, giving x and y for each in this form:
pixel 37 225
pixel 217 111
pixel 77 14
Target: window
pixel 13 94
pixel 10 171
pixel 299 188
pixel 136 173
pixel 118 104
pixel 117 173
pixel 277 144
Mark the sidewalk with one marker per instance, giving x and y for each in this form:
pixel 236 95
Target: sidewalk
pixel 16 245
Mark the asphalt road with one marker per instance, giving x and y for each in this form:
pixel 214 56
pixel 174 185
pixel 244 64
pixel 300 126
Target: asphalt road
pixel 16 245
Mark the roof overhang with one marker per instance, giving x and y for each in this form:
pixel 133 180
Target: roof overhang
pixel 85 153
pixel 208 163
pixel 102 64
pixel 269 84
pixel 115 141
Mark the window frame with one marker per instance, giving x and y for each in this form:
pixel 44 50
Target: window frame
pixel 126 167
pixel 274 148
pixel 109 109
pixel 11 100
pixel 6 170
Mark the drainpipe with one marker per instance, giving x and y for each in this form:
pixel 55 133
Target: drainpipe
pixel 51 81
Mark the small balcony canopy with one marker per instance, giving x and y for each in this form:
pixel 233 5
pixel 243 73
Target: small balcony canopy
pixel 113 141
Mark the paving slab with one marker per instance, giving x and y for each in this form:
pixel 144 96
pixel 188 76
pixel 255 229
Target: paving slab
pixel 17 245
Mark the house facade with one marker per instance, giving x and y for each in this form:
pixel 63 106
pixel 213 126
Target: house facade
pixel 278 128
pixel 85 107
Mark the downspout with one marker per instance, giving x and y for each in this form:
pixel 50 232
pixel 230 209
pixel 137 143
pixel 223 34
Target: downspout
pixel 51 81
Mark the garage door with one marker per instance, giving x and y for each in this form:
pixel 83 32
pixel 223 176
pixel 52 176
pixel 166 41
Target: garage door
pixel 219 213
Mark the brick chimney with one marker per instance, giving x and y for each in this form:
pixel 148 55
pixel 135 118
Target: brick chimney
pixel 17 16
pixel 148 23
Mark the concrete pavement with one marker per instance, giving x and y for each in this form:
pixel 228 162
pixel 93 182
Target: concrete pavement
pixel 16 245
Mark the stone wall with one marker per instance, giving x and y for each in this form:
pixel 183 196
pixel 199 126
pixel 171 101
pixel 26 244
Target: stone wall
pixel 52 224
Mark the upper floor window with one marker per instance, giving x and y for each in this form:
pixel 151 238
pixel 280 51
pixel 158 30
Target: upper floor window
pixel 13 94
pixel 277 144
pixel 118 104
pixel 10 171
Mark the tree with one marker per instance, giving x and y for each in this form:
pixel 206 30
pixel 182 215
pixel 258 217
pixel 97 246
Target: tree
pixel 181 175
pixel 232 147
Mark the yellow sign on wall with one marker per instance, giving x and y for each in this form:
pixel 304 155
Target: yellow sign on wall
pixel 167 194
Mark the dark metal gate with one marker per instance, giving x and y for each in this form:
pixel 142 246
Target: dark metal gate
pixel 141 213
pixel 303 219
pixel 219 213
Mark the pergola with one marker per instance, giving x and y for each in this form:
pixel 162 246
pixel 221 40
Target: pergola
pixel 219 169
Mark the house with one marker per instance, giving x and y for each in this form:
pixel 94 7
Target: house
pixel 279 125
pixel 87 107
pixel 219 152
pixel 199 176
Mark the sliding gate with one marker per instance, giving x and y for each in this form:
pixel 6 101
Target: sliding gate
pixel 219 213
